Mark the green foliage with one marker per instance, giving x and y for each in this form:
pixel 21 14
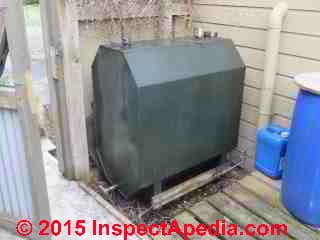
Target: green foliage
pixel 5 81
pixel 33 19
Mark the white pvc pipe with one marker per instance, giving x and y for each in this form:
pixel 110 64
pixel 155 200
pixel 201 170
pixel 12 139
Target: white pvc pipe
pixel 271 62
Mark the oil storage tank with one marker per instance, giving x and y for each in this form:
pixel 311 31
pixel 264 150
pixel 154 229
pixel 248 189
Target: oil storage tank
pixel 163 106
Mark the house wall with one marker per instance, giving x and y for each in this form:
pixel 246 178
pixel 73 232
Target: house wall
pixel 246 22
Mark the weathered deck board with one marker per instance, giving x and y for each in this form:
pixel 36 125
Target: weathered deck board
pixel 192 184
pixel 276 184
pixel 238 213
pixel 187 218
pixel 262 190
pixel 254 199
pixel 269 213
pixel 170 237
pixel 266 193
pixel 205 213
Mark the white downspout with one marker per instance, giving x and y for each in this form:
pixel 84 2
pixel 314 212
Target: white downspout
pixel 271 62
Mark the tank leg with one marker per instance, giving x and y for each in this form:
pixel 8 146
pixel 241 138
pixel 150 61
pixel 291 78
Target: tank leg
pixel 157 187
pixel 224 158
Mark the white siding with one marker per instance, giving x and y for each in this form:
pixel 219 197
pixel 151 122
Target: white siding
pixel 246 22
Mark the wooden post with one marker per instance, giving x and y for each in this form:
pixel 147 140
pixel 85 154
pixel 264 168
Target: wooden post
pixel 66 69
pixel 19 52
pixel 18 45
pixel 51 38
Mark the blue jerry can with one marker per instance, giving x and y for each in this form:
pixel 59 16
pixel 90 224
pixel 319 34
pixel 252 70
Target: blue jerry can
pixel 301 173
pixel 271 148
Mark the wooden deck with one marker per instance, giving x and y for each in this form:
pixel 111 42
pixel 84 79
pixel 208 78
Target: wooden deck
pixel 253 200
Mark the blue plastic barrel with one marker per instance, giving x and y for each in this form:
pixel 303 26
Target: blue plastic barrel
pixel 301 173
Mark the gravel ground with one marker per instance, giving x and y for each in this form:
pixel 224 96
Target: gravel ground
pixel 5 235
pixel 69 202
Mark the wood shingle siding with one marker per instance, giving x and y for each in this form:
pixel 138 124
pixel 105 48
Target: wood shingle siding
pixel 246 23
